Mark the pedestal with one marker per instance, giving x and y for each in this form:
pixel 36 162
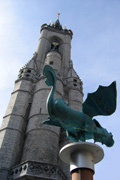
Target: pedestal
pixel 81 156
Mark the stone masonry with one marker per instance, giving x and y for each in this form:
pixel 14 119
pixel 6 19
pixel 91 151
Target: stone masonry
pixel 28 149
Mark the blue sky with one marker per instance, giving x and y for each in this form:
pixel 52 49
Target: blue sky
pixel 95 52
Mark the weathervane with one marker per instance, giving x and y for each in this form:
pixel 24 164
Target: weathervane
pixel 80 126
pixel 58 14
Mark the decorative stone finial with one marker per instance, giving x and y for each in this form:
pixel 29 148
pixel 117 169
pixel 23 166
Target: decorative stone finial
pixel 65 26
pixel 50 22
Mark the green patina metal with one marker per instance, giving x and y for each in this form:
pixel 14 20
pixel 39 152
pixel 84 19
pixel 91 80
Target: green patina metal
pixel 80 126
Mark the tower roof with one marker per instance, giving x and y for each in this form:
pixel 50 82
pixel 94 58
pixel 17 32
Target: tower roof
pixel 72 74
pixel 31 63
pixel 56 26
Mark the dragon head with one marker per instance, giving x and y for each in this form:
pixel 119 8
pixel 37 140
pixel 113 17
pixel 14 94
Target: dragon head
pixel 108 140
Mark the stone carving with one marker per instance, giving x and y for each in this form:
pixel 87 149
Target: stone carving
pixel 38 169
pixel 79 125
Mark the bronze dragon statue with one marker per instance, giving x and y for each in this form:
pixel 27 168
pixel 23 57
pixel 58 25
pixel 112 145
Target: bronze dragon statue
pixel 80 126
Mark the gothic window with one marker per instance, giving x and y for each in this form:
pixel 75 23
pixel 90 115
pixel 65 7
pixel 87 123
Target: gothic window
pixel 55 46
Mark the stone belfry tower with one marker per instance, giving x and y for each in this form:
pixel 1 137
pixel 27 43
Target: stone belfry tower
pixel 29 150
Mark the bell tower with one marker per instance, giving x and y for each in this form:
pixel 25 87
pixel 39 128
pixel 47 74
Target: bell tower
pixel 29 149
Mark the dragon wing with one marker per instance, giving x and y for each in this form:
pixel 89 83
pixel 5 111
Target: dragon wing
pixel 101 102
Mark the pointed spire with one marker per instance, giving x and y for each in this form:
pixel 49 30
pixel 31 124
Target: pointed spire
pixel 57 24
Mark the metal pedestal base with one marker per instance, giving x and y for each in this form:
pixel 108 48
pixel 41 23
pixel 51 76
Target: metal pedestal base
pixel 81 155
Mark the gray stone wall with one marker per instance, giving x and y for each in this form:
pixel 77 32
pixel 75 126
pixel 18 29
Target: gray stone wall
pixel 29 148
pixel 12 132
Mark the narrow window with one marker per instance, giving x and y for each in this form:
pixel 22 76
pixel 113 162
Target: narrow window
pixel 75 80
pixel 40 110
pixel 16 171
pixel 75 85
pixel 29 71
pixel 25 167
pixel 20 169
pixel 27 75
pixel 51 62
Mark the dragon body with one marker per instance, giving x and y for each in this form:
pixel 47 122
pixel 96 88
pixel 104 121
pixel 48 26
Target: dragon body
pixel 80 126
